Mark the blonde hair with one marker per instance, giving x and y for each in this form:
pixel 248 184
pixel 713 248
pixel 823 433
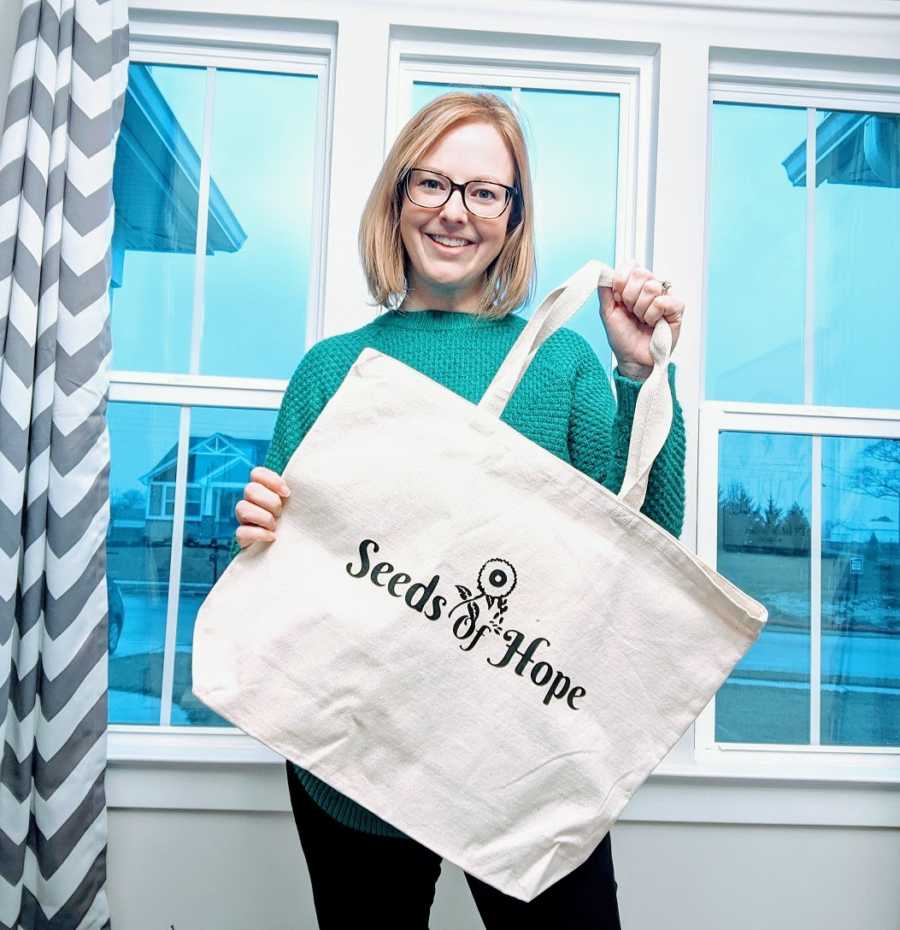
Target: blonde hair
pixel 509 279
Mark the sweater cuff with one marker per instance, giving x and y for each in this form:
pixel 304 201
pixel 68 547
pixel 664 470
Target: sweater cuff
pixel 627 390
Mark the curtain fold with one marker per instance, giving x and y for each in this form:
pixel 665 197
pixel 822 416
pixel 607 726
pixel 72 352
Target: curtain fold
pixel 66 96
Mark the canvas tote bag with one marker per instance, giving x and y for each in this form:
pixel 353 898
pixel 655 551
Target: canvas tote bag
pixel 461 631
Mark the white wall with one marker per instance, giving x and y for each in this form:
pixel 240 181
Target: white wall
pixel 197 847
pixel 212 871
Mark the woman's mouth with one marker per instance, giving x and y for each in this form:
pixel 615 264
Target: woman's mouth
pixel 448 243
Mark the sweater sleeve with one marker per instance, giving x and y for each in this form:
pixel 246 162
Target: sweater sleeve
pixel 301 404
pixel 600 431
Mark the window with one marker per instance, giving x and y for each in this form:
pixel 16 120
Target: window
pixel 214 298
pixel 800 426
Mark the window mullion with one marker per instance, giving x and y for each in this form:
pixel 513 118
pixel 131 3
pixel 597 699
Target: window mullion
pixel 809 362
pixel 815 595
pixel 810 293
pixel 315 300
pixel 168 666
pixel 202 223
pixel 184 425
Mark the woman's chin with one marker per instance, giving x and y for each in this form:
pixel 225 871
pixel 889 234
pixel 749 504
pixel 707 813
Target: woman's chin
pixel 445 277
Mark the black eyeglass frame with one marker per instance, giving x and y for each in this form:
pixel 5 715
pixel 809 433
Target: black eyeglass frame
pixel 513 194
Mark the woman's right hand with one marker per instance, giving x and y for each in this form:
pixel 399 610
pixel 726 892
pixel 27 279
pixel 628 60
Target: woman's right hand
pixel 261 506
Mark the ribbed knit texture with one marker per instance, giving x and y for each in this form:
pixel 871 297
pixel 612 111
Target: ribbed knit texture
pixel 563 402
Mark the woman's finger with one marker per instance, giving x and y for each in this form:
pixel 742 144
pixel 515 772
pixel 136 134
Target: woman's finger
pixel 650 290
pixel 270 479
pixel 254 515
pixel 245 535
pixel 257 493
pixel 657 310
pixel 637 276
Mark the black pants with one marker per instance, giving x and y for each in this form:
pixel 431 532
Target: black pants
pixel 362 880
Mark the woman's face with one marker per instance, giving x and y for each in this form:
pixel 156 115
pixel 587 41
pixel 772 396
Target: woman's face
pixel 450 277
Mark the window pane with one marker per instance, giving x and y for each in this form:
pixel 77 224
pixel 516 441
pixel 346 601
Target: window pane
pixel 763 547
pixel 143 445
pixel 572 140
pixel 860 592
pixel 857 275
pixel 757 254
pixel 225 446
pixel 155 182
pixel 260 224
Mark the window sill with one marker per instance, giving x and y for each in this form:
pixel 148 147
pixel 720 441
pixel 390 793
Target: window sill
pixel 207 769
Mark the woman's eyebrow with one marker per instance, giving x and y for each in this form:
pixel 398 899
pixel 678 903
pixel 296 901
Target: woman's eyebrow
pixel 480 177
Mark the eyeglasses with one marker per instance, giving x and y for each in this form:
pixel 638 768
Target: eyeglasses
pixel 486 199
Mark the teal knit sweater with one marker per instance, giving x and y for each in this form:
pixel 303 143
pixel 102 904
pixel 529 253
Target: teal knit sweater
pixel 563 402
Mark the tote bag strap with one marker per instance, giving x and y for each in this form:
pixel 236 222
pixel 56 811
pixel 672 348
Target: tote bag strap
pixel 653 409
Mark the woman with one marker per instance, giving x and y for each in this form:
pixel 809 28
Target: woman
pixel 447 244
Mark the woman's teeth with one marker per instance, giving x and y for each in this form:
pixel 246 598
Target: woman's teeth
pixel 453 243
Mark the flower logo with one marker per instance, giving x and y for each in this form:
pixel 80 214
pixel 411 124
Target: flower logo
pixel 496 581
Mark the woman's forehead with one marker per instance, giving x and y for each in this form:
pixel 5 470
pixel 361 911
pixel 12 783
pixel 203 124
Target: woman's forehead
pixel 471 150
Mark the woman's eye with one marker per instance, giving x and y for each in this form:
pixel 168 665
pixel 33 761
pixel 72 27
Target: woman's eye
pixel 430 184
pixel 484 193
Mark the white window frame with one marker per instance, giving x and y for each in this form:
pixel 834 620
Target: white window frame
pixel 878 762
pixel 785 82
pixel 271 49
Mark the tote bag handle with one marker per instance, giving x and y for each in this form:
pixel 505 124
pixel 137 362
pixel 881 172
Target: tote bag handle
pixel 653 410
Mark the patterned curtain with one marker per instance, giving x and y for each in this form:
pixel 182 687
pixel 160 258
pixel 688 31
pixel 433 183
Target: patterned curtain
pixel 67 93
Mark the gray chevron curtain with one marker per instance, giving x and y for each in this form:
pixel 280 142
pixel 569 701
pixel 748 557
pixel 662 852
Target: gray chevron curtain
pixel 66 97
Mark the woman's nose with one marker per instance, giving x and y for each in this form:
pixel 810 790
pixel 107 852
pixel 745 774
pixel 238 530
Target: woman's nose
pixel 454 208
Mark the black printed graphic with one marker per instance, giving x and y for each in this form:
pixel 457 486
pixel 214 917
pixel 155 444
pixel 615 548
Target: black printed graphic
pixel 417 594
pixel 495 581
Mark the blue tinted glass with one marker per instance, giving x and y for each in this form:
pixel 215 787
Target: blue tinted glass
pixel 857 275
pixel 225 445
pixel 155 182
pixel 181 98
pixel 763 546
pixel 573 143
pixel 143 445
pixel 860 592
pixel 756 254
pixel 260 224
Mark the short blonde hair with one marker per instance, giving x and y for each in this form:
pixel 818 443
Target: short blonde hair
pixel 509 279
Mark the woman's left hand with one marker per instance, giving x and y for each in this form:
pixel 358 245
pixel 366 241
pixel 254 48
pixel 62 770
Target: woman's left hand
pixel 629 310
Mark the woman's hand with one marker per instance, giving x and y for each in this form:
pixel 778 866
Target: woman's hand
pixel 629 310
pixel 261 507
